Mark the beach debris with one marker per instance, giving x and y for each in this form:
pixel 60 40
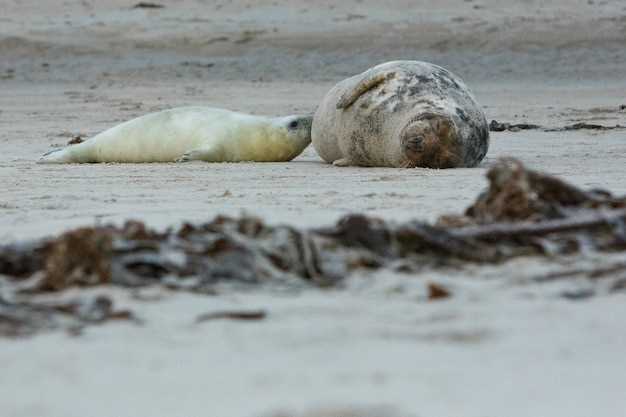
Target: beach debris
pixel 76 140
pixel 25 318
pixel 350 17
pixel 216 40
pixel 21 260
pixel 584 126
pixel 249 35
pixel 246 315
pixel 614 271
pixel 147 5
pixel 197 64
pixel 8 74
pixel 578 294
pixel 519 194
pixel 496 126
pixel 437 292
pixel 619 284
pixel 522 213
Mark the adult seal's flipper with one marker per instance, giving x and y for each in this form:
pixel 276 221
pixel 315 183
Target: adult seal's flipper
pixel 364 85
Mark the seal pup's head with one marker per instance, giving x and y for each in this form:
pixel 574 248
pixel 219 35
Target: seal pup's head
pixel 297 130
pixel 430 141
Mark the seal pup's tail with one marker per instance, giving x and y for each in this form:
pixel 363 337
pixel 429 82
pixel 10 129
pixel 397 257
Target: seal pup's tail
pixel 55 156
pixel 70 154
pixel 431 141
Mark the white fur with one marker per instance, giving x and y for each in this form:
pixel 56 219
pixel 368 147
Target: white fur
pixel 171 135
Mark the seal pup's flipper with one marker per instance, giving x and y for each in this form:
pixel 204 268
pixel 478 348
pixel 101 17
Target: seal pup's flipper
pixel 363 86
pixel 207 154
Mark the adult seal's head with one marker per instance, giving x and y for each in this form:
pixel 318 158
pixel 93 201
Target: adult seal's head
pixel 401 114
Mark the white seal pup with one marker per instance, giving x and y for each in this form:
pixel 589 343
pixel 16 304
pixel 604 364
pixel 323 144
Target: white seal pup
pixel 401 114
pixel 193 133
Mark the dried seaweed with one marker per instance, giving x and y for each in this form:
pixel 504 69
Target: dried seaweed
pixel 495 126
pixel 527 212
pixel 584 126
pixel 523 212
pixel 25 318
pixel 21 260
pixel 519 194
pixel 437 292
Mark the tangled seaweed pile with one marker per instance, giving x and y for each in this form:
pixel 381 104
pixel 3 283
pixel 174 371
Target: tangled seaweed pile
pixel 523 212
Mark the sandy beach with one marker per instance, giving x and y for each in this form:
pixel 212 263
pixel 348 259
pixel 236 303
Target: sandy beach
pixel 502 345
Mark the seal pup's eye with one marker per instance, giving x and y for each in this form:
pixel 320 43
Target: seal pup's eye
pixel 293 124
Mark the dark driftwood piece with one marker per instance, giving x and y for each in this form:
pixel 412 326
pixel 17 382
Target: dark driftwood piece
pixel 523 212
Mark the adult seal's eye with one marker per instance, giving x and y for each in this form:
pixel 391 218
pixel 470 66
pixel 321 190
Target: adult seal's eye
pixel 293 125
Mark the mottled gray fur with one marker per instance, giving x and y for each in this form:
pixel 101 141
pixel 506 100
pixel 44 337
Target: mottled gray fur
pixel 401 114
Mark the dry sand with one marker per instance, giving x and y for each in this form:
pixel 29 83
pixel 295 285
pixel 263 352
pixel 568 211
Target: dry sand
pixel 501 346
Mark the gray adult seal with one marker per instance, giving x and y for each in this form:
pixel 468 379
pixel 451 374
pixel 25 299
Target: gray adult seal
pixel 401 114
